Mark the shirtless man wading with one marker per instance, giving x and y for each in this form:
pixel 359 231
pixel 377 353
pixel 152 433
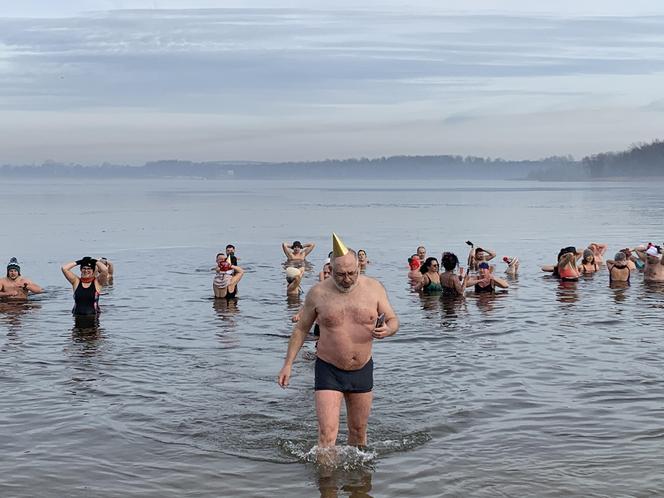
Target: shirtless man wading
pixel 654 269
pixel 346 307
pixel 14 286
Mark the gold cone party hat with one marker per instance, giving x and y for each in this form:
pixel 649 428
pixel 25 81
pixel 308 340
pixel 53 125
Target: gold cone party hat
pixel 338 247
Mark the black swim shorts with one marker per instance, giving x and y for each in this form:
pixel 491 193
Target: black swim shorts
pixel 329 377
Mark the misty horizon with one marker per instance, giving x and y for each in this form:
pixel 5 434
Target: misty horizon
pixel 300 84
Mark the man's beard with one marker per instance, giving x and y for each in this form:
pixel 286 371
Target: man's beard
pixel 345 290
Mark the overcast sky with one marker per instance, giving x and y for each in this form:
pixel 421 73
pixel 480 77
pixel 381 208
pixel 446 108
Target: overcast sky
pixel 260 80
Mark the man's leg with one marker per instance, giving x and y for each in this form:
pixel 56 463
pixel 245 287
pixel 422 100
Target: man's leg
pixel 328 406
pixel 358 407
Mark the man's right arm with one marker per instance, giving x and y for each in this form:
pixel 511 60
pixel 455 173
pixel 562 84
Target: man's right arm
pixel 299 334
pixel 4 293
pixel 286 248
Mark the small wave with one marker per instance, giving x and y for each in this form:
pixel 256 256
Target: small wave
pixel 346 458
pixel 351 457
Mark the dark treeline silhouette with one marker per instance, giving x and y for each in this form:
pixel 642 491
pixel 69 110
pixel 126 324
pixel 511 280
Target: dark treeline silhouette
pixel 639 160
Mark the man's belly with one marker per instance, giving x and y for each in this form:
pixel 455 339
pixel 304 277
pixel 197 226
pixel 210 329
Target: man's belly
pixel 352 357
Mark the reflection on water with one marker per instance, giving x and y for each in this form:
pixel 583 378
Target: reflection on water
pixel 86 334
pixel 619 291
pixel 567 291
pixel 334 482
pixel 452 305
pixel 227 312
pixel 13 311
pixel 486 301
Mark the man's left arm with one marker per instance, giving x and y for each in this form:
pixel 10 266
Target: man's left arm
pixel 32 287
pixel 308 247
pixel 391 324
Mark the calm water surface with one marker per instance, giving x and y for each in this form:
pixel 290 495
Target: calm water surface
pixel 547 390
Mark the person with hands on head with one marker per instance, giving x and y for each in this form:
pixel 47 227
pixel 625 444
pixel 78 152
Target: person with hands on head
pixel 296 251
pixel 477 255
pixel 619 271
pixel 293 281
pixel 14 286
pixel 86 287
pixel 107 279
pixel 347 307
pixel 598 251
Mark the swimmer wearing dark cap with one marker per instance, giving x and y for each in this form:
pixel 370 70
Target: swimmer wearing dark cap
pixel 14 286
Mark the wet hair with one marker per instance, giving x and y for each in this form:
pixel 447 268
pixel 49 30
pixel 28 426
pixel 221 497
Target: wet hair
pixel 361 250
pixel 427 263
pixel 221 254
pixel 588 253
pixel 230 246
pixel 620 256
pixel 449 261
pixel 565 250
pixel 296 243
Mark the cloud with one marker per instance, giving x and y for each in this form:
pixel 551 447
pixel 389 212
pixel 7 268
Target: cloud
pixel 252 69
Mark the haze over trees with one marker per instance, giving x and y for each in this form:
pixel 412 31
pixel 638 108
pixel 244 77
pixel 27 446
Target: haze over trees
pixel 642 160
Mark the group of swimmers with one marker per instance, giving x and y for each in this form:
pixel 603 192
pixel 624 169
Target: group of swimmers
pixel 94 275
pixel 425 273
pixel 426 276
pixel 572 263
pixel 296 253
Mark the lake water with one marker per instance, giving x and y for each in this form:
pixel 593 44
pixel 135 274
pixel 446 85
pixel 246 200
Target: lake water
pixel 547 390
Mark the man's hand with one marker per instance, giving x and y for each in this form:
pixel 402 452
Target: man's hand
pixel 381 332
pixel 284 376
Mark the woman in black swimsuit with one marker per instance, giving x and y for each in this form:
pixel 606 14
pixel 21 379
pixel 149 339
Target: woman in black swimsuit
pixel 588 263
pixel 619 271
pixel 486 281
pixel 86 287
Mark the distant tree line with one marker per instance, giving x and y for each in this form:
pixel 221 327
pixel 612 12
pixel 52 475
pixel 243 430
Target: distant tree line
pixel 639 160
pixel 398 167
